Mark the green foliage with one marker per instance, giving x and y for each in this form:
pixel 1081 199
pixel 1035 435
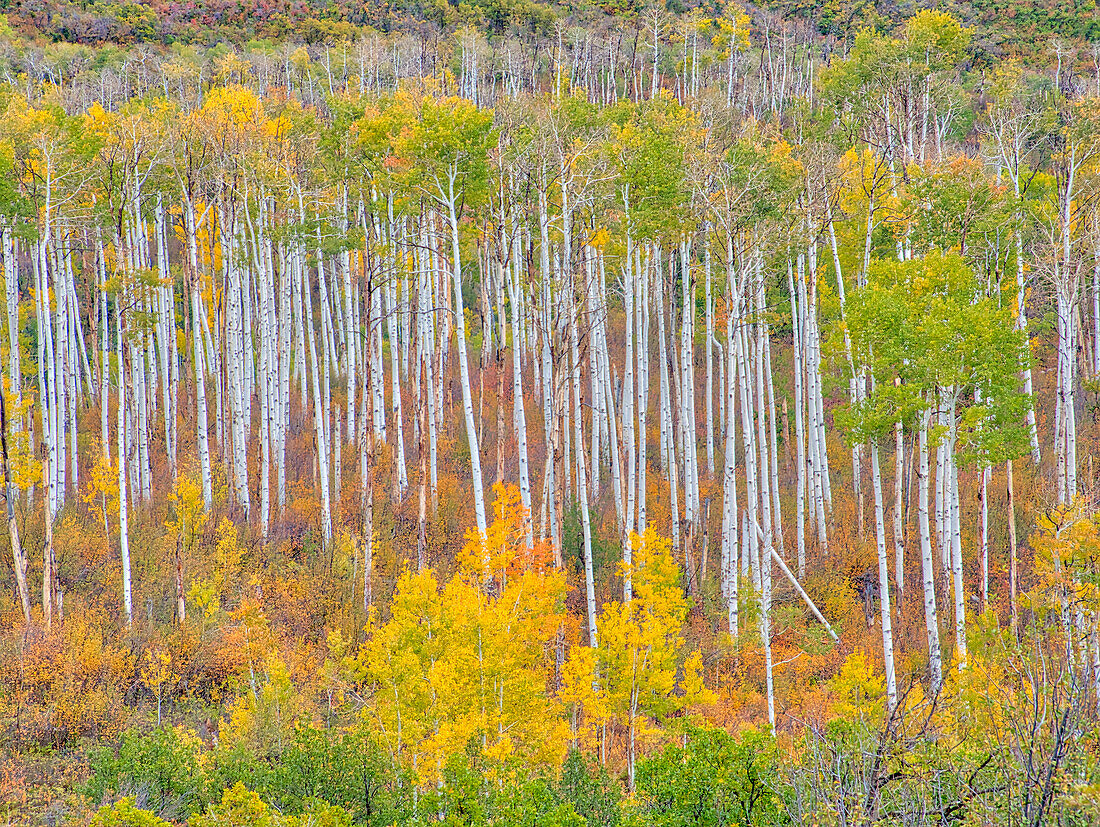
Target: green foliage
pixel 715 780
pixel 470 798
pixel 595 796
pixel 648 145
pixel 343 767
pixel 926 327
pixel 164 769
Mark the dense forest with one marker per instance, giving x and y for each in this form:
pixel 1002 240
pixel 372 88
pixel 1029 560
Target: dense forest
pixel 685 423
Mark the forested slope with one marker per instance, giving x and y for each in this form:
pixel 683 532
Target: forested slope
pixel 1033 28
pixel 551 432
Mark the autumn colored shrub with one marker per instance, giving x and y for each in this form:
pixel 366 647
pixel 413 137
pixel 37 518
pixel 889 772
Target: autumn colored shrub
pixel 238 807
pixel 64 684
pixel 123 813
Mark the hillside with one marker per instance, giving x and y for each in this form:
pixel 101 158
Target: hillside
pixel 681 428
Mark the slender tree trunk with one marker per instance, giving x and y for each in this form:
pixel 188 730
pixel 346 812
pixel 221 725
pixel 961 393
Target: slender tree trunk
pixel 883 581
pixel 935 663
pixel 1012 581
pixel 464 370
pixel 123 522
pixel 19 560
pixel 899 543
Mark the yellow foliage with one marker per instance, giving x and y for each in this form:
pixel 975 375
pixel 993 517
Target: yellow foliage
pixel 190 513
pixel 263 716
pixel 471 662
pixel 580 694
pixel 23 465
pixel 207 592
pixel 156 670
pixel 102 485
pixel 233 105
pixel 633 676
pixel 858 692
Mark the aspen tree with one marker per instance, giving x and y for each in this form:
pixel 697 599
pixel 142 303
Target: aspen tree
pixel 797 334
pixel 451 144
pixel 519 420
pixel 123 461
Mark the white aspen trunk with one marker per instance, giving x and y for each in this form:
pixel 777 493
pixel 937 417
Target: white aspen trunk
pixel 212 344
pixel 596 402
pixel 668 441
pixel 428 349
pixel 285 323
pixel 123 522
pixel 935 662
pixel 943 540
pixel 237 357
pixel 549 413
pixel 203 439
pixel 166 330
pixel 11 283
pixel 641 381
pixel 709 322
pixel 1068 290
pixel 615 446
pixel 1096 300
pixel 19 559
pixel 760 405
pixel 800 441
pixel 378 395
pixel 582 487
pixel 104 351
pixel 320 431
pixel 956 534
pixel 464 368
pixel 45 379
pixel 985 537
pixel 1021 325
pixel 519 418
pixel 765 622
pixel 855 383
pixel 817 494
pixel 366 464
pixel 350 331
pixel 822 487
pixel 629 439
pixel 899 517
pixel 773 441
pixel 729 488
pixel 140 367
pixel 883 582
pixel 395 378
pixel 748 435
pixel 688 428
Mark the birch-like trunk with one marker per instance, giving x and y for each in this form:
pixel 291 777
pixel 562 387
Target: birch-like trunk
pixel 463 365
pixel 935 662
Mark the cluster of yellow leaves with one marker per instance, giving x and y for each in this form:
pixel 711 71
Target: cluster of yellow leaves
pixel 263 716
pixel 157 670
pixel 207 592
pixel 101 489
pixel 641 671
pixel 468 665
pixel 1067 554
pixel 732 30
